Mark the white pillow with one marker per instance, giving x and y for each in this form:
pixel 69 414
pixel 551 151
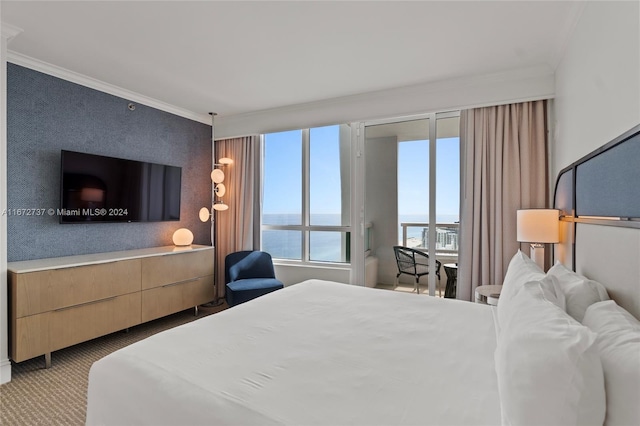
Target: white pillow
pixel 521 270
pixel 619 344
pixel 580 292
pixel 547 365
pixel 549 290
pixel 552 292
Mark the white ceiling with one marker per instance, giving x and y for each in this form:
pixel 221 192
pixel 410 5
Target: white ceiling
pixel 238 57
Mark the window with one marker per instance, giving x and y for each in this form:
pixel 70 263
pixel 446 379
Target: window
pixel 306 194
pixel 414 180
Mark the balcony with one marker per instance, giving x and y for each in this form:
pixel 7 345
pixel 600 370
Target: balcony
pixel 447 237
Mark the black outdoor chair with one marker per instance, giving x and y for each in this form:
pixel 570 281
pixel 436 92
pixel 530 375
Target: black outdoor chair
pixel 413 262
pixel 451 271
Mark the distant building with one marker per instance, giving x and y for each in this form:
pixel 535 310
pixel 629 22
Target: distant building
pixel 446 237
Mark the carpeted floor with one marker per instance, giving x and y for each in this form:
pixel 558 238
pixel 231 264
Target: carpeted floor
pixel 58 396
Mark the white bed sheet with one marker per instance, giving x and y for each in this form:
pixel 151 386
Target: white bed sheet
pixel 315 353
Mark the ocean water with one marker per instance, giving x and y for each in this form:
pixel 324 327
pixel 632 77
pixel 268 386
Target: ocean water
pixel 325 246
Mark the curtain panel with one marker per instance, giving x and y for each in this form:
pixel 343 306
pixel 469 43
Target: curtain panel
pixel 235 228
pixel 504 168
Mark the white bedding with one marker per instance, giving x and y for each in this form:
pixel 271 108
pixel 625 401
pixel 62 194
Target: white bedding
pixel 315 353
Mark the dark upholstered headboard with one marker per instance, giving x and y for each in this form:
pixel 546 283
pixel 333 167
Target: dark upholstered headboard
pixel 599 200
pixel 604 184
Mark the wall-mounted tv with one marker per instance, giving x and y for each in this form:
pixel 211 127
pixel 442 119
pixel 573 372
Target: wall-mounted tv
pixel 95 188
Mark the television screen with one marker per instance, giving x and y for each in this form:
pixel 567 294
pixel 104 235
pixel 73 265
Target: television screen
pixel 95 188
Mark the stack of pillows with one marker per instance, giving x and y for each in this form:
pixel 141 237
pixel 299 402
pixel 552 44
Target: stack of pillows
pixel 566 354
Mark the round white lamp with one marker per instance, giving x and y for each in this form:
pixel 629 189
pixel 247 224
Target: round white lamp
pixel 204 214
pixel 217 176
pixel 220 190
pixel 220 206
pixel 182 237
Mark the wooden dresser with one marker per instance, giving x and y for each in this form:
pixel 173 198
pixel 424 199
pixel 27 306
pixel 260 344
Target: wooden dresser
pixel 59 302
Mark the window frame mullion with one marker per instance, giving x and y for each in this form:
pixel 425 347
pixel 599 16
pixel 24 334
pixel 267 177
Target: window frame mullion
pixel 306 199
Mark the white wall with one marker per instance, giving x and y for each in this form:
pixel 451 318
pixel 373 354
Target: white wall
pixel 5 365
pixel 292 274
pixel 597 87
pixel 597 81
pixel 381 202
pixel 6 33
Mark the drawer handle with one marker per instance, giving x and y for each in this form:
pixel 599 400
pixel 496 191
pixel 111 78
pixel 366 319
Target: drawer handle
pixel 180 282
pixel 86 303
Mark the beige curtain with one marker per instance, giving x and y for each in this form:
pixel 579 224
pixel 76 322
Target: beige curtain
pixel 504 167
pixel 235 228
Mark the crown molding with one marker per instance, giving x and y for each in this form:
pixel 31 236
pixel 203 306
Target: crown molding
pixel 9 31
pixel 92 83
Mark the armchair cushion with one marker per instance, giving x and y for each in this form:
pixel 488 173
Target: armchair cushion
pixel 249 274
pixel 244 290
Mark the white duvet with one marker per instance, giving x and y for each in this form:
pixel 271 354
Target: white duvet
pixel 315 353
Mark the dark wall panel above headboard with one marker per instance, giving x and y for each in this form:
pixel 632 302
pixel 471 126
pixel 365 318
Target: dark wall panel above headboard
pixel 608 184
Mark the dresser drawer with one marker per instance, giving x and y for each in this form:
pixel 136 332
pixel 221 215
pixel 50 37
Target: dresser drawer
pixel 49 331
pixel 160 301
pixel 52 289
pixel 29 337
pixel 172 268
pixel 84 322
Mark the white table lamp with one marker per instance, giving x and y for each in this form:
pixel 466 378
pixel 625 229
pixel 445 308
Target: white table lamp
pixel 538 227
pixel 182 237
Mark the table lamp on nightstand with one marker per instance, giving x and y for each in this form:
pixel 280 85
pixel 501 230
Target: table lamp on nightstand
pixel 538 227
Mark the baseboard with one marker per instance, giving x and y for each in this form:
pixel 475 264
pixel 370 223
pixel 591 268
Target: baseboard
pixel 5 371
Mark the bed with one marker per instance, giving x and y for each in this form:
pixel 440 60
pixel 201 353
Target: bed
pixel 556 349
pixel 313 353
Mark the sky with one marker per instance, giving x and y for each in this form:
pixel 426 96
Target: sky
pixel 283 174
pixel 413 177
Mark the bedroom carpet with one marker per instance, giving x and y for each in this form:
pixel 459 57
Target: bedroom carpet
pixel 58 396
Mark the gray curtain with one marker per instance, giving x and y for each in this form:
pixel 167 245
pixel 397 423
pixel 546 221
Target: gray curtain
pixel 504 168
pixel 235 228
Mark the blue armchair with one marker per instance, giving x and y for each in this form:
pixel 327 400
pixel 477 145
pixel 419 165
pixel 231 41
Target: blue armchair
pixel 249 274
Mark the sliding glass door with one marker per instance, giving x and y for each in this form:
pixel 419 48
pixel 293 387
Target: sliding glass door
pixel 411 184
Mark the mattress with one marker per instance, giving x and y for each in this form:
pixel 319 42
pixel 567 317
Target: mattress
pixel 314 353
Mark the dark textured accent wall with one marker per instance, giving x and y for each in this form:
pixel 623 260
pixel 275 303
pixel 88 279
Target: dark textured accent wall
pixel 46 114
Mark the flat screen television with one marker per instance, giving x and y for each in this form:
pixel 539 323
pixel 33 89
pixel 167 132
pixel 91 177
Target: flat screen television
pixel 99 189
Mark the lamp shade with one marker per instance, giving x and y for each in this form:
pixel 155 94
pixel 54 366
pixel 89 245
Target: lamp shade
pixel 217 175
pixel 220 190
pixel 182 237
pixel 225 160
pixel 204 214
pixel 538 226
pixel 220 207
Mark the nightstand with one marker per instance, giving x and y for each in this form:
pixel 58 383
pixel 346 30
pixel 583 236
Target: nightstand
pixel 488 294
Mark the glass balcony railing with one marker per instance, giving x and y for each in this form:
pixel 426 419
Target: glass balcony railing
pixel 416 235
